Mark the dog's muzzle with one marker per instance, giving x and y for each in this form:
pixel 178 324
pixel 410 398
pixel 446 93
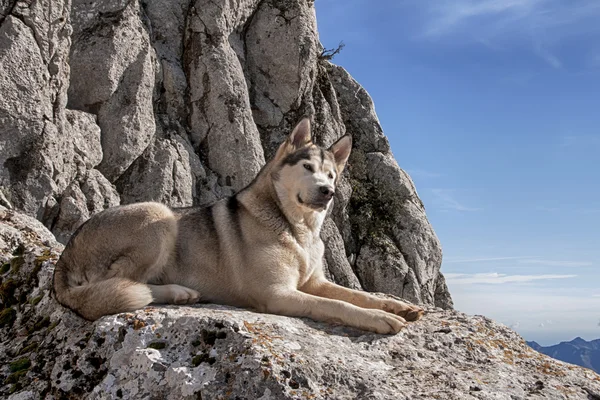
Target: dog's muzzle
pixel 327 192
pixel 318 204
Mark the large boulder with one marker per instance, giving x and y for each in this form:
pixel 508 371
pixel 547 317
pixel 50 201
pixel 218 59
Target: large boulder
pixel 112 102
pixel 217 352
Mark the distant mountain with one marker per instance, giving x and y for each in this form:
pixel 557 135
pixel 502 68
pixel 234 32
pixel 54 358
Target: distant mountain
pixel 577 351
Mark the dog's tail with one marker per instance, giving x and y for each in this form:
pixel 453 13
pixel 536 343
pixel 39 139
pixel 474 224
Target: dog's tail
pixel 92 300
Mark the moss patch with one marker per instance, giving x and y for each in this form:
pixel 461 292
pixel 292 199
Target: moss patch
pixel 36 300
pixel 20 365
pixel 157 345
pixel 14 378
pixel 4 268
pixel 29 348
pixel 197 360
pixel 53 325
pixel 20 250
pixel 7 317
pixel 7 292
pixel 370 205
pixel 37 266
pixel 39 324
pixel 16 264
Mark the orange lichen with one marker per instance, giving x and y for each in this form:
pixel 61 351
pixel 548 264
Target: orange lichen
pixel 549 369
pixel 509 357
pixel 138 324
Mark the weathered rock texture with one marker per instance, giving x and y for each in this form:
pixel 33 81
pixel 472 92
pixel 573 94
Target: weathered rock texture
pixel 216 352
pixel 48 153
pixel 111 102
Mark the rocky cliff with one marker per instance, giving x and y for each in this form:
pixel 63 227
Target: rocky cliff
pixel 181 101
pixel 216 352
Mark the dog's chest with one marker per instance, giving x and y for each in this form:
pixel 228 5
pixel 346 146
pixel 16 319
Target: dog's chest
pixel 311 258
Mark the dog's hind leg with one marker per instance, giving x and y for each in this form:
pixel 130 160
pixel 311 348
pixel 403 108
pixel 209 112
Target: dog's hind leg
pixel 173 294
pixel 105 268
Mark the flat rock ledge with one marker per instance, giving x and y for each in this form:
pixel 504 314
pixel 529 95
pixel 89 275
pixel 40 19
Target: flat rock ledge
pixel 216 352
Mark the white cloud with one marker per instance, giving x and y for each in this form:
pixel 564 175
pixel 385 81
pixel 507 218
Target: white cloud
pixel 572 209
pixel 497 278
pixel 545 323
pixel 576 311
pixel 580 140
pixel 548 209
pixel 594 59
pixel 520 16
pixel 540 24
pixel 545 54
pixel 556 263
pixel 589 210
pixel 530 260
pixel 482 259
pixel 444 199
pixel 450 15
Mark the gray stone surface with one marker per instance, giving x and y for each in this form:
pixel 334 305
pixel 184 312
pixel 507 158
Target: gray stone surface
pixel 163 173
pixel 212 352
pixel 46 150
pixel 112 75
pixel 182 102
pixel 335 262
pixel 84 197
pixel 28 123
pixel 221 117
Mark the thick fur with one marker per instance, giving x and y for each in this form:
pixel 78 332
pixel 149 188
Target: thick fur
pixel 259 249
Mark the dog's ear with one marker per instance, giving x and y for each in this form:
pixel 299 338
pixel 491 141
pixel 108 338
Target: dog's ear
pixel 300 136
pixel 341 151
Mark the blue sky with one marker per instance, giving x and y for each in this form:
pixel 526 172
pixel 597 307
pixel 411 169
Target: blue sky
pixel 493 107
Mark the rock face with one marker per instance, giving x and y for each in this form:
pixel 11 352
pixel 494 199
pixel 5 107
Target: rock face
pixel 48 153
pixel 112 102
pixel 216 352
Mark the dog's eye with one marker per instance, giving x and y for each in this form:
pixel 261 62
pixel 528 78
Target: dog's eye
pixel 330 175
pixel 308 167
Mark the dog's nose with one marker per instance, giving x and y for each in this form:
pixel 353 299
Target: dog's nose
pixel 327 191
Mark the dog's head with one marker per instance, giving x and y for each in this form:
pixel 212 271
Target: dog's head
pixel 305 175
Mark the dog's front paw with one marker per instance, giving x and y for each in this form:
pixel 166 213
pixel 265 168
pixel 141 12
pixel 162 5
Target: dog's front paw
pixel 387 323
pixel 408 311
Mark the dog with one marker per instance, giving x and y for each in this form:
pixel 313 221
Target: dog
pixel 258 249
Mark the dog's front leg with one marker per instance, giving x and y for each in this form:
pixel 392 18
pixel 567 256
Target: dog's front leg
pixel 293 303
pixel 321 287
